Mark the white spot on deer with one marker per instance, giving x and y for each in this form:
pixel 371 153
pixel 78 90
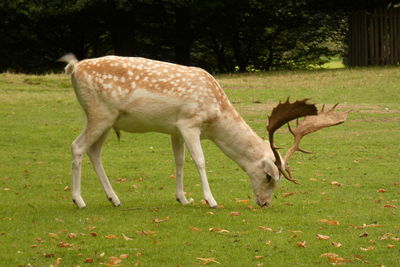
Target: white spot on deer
pixel 130 73
pixel 123 79
pixel 116 78
pixel 133 85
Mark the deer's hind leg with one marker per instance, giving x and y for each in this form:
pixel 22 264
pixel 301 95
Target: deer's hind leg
pixel 94 153
pixel 94 131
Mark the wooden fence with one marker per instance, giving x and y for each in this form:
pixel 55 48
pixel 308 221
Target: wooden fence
pixel 374 38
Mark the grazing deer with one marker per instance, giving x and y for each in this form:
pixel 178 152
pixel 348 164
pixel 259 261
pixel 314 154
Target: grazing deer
pixel 142 95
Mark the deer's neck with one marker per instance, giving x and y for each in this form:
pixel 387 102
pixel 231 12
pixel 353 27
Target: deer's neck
pixel 237 140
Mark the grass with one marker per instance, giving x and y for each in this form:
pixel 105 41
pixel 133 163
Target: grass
pixel 39 225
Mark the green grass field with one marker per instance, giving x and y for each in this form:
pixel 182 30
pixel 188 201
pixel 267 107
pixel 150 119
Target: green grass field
pixel 346 209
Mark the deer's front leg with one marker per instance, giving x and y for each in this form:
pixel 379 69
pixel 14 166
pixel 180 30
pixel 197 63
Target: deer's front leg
pixel 179 155
pixel 191 137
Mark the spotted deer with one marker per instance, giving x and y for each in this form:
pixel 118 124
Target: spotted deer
pixel 140 95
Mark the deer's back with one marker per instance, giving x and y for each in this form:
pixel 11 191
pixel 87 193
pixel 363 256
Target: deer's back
pixel 148 95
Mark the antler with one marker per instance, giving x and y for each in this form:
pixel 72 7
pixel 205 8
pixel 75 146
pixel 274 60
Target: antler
pixel 284 113
pixel 312 124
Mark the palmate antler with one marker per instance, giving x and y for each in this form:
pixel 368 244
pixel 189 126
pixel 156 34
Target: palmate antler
pixel 312 124
pixel 284 113
pixel 314 121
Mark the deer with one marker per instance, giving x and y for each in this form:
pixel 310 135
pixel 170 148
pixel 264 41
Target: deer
pixel 139 95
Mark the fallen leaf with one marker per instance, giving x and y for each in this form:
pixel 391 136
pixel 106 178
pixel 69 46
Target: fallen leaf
pixel 218 230
pixel 313 179
pixel 114 260
pixel 397 183
pixel 288 194
pixel 48 255
pixel 157 220
pixel 368 248
pixel 194 229
pixel 53 235
pixel 94 234
pixel 363 234
pixel 263 228
pixel 396 238
pixel 72 235
pixel 338 259
pixel 329 254
pixel 123 256
pixel 89 260
pixel 121 180
pixel 259 257
pixel 368 226
pixel 205 261
pixel 235 213
pixel 390 206
pixel 390 246
pixel 381 190
pixel 323 237
pixel 336 183
pixel 329 222
pixel 245 201
pixel 126 237
pixel 111 237
pixel 301 244
pixel 145 233
pixel 268 243
pixel 63 244
pixel 336 244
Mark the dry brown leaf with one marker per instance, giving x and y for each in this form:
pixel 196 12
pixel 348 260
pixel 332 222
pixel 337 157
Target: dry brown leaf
pixel 363 234
pixel 301 244
pixel 218 230
pixel 235 213
pixel 381 190
pixel 63 244
pixel 126 237
pixel 194 229
pixel 323 237
pixel 145 233
pixel 245 201
pixel 295 231
pixel 338 259
pixel 263 228
pixel 329 222
pixel 114 260
pixel 368 248
pixel 390 246
pixel 72 235
pixel 53 235
pixel 89 260
pixel 329 254
pixel 367 226
pixel 336 183
pixel 259 257
pixel 268 243
pixel 288 194
pixel 336 244
pixel 390 206
pixel 205 261
pixel 157 220
pixel 123 256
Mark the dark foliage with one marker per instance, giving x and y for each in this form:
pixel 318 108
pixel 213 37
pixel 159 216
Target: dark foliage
pixel 218 35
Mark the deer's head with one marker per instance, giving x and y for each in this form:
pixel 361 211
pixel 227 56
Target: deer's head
pixel 282 114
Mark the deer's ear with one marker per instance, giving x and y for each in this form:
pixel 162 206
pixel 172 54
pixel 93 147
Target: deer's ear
pixel 270 170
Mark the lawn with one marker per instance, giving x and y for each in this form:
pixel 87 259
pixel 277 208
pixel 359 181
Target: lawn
pixel 346 209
